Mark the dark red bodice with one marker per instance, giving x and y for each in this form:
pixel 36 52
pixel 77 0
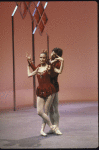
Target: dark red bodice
pixel 45 87
pixel 53 76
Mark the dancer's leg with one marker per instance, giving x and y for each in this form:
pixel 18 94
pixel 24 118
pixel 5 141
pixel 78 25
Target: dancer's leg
pixel 51 112
pixel 56 112
pixel 40 106
pixel 48 103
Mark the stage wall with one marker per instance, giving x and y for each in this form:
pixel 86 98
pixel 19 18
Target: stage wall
pixel 72 26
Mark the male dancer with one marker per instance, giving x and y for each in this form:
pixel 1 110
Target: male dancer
pixel 54 113
pixel 57 61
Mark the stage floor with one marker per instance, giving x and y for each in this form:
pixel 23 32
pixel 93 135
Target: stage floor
pixel 78 123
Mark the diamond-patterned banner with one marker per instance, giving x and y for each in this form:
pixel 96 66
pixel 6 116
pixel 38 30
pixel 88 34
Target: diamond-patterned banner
pixel 40 8
pixel 39 16
pixel 23 8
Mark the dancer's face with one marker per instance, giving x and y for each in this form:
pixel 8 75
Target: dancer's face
pixel 43 58
pixel 53 55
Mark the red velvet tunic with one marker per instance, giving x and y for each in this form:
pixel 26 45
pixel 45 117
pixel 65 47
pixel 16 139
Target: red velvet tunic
pixel 53 75
pixel 45 87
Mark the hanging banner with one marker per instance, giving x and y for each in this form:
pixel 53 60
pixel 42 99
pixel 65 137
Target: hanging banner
pixel 39 16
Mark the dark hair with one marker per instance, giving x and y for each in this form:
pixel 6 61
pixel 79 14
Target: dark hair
pixel 58 51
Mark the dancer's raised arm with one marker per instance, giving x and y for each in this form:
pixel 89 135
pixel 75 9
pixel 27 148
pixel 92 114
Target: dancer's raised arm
pixel 59 71
pixel 29 73
pixel 30 62
pixel 61 66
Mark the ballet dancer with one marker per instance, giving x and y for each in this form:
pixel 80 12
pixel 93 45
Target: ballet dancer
pixel 45 91
pixel 57 62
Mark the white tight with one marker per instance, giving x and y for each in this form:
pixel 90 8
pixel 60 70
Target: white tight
pixel 44 104
pixel 54 113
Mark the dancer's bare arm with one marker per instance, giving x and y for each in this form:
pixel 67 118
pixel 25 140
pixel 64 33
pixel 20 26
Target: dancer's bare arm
pixel 30 62
pixel 59 71
pixel 61 67
pixel 31 73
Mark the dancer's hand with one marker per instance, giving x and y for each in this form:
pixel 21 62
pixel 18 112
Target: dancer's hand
pixel 29 58
pixel 59 58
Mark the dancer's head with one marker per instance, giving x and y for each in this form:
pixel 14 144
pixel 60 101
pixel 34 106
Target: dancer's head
pixel 44 57
pixel 57 51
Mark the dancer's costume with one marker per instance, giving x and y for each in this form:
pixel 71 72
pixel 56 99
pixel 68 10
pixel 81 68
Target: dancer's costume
pixel 45 87
pixel 53 77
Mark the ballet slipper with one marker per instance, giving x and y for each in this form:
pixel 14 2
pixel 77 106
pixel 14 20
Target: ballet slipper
pixel 52 130
pixel 43 133
pixel 56 130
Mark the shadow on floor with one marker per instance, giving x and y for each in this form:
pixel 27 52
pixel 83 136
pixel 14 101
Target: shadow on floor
pixel 26 142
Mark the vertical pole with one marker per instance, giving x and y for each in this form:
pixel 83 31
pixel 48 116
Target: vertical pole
pixel 48 44
pixel 33 52
pixel 14 98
